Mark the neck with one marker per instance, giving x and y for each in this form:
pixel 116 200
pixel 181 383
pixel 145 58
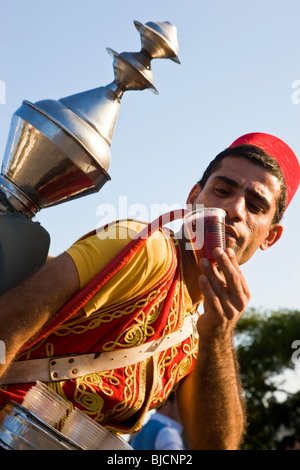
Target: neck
pixel 191 271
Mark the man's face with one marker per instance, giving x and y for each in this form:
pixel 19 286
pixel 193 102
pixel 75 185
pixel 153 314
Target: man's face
pixel 248 193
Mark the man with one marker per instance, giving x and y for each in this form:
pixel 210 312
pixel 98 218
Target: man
pixel 146 293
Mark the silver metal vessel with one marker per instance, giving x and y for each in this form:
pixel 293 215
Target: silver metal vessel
pixel 58 150
pixel 22 430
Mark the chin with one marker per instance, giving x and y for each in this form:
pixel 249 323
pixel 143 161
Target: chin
pixel 243 258
pixel 240 257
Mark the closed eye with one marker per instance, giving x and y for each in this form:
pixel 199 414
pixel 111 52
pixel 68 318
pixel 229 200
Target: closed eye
pixel 255 208
pixel 221 191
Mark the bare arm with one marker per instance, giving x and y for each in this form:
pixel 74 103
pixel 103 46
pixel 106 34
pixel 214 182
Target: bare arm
pixel 27 307
pixel 209 399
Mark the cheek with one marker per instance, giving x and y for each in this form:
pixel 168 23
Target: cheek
pixel 257 235
pixel 260 232
pixel 254 237
pixel 204 199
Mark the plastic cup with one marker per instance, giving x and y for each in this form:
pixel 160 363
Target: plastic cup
pixel 82 429
pixel 205 230
pixel 112 442
pixel 45 403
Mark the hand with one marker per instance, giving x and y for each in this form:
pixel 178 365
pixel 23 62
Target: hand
pixel 225 292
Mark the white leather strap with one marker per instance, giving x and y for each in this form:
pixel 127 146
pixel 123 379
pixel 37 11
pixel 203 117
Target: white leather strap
pixel 73 366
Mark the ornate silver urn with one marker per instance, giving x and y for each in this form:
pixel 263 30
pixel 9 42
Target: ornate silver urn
pixel 60 150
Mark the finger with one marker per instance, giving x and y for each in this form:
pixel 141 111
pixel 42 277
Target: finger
pixel 232 257
pixel 218 308
pixel 212 302
pixel 231 270
pixel 219 274
pixel 218 294
pixel 215 276
pixel 235 295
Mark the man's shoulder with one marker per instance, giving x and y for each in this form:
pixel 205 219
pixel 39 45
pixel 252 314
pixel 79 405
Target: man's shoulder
pixel 131 228
pixel 125 230
pixel 98 248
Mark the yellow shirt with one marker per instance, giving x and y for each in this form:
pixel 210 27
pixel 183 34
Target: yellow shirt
pixel 142 271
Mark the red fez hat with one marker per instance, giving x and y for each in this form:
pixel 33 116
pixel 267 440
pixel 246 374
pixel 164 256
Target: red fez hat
pixel 281 152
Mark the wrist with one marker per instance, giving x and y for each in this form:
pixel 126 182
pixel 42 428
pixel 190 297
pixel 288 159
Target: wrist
pixel 210 333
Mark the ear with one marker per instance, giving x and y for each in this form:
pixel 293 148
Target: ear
pixel 273 236
pixel 193 194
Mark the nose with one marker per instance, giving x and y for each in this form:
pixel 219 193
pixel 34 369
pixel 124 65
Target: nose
pixel 235 209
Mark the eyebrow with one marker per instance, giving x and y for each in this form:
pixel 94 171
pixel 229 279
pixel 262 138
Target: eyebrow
pixel 252 192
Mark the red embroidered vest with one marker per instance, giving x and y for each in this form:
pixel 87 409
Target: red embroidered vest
pixel 118 398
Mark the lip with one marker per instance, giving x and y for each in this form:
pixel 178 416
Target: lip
pixel 229 231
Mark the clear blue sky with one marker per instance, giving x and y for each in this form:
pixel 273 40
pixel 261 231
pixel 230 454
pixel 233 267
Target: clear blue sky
pixel 239 61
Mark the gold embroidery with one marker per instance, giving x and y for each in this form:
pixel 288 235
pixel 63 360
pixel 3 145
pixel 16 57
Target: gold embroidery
pixel 107 315
pixel 174 315
pixel 137 333
pixel 123 409
pixel 49 349
pixel 86 392
pixel 143 403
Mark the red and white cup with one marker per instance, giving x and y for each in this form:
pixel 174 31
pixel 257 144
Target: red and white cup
pixel 205 230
